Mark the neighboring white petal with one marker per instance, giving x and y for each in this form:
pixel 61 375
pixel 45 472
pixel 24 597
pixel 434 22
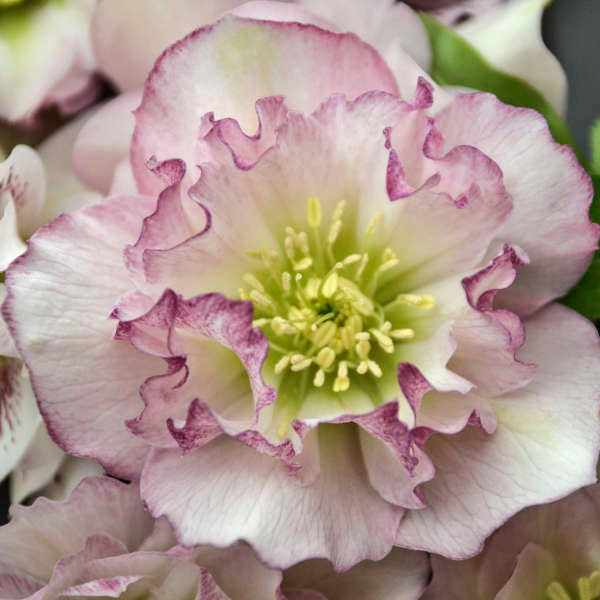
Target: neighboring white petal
pixel 19 416
pixel 64 191
pixel 510 37
pixel 45 55
pixel 22 192
pixel 38 466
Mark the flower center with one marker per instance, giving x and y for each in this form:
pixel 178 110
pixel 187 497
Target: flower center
pixel 6 3
pixel 317 306
pixel 588 588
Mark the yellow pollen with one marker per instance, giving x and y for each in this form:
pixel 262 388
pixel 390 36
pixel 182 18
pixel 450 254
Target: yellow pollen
pixel 314 212
pixel 320 310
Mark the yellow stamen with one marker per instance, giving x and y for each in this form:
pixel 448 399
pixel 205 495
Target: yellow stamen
pixel 314 212
pixel 384 341
pixel 282 364
pixel 263 300
pixel 260 322
pixel 301 365
pixel 282 327
pixel 362 349
pixel 243 294
pixel 402 334
pixel 338 211
pixel 303 264
pixel 286 282
pixel 362 368
pixel 425 301
pixel 253 282
pixel 555 591
pixel 330 285
pixel 334 231
pixel 325 357
pixel 373 223
pixel 351 259
pixel 324 334
pixel 374 368
pixel 319 379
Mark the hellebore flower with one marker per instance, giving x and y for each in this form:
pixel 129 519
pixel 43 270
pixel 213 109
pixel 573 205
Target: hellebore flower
pixel 101 542
pixel 45 56
pixel 322 320
pixel 35 187
pixel 550 552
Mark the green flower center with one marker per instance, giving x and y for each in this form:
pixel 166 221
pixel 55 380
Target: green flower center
pixel 4 3
pixel 588 588
pixel 317 305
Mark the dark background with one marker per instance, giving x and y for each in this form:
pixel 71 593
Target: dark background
pixel 571 29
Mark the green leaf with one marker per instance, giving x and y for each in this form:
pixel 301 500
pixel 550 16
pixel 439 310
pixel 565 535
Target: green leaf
pixel 595 147
pixel 456 62
pixel 585 296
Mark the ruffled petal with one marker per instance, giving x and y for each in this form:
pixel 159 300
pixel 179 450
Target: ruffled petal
pixel 317 514
pixel 542 449
pixel 324 63
pixel 70 347
pixel 551 195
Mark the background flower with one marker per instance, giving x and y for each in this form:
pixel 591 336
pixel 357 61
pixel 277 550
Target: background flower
pixel 45 57
pixel 548 551
pixel 102 542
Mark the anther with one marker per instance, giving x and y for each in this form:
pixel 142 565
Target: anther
pixel 373 223
pixel 319 379
pixel 351 259
pixel 324 334
pixel 362 368
pixel 402 334
pixel 243 294
pixel 363 335
pixel 338 211
pixel 341 382
pixel 262 299
pixel 325 357
pixel 314 212
pixel 286 282
pixel 282 364
pixel 302 241
pixel 330 285
pixel 555 591
pixel 301 365
pixel 281 327
pixel 422 301
pixel 386 327
pixel 334 231
pixel 260 322
pixel 253 282
pixel 374 368
pixel 290 248
pixel 384 341
pixel 311 290
pixel 361 267
pixel 362 349
pixel 303 264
